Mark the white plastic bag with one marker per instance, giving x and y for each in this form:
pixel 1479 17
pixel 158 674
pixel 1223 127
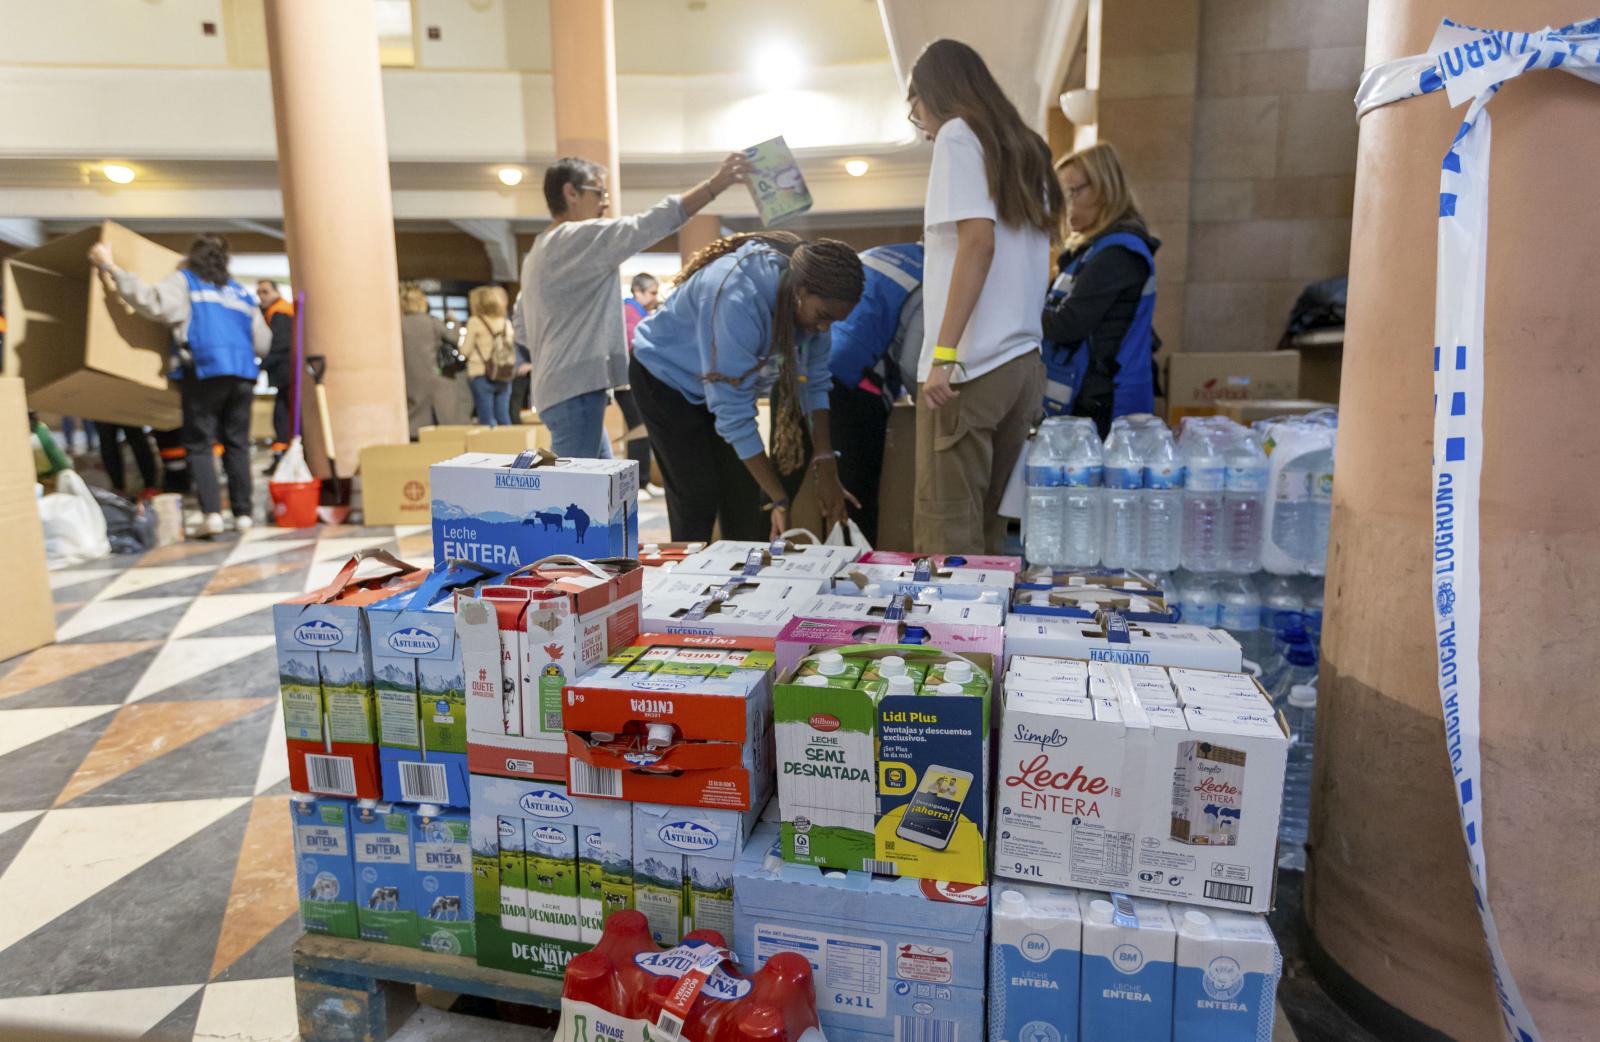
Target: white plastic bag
pixel 1013 502
pixel 74 527
pixel 848 534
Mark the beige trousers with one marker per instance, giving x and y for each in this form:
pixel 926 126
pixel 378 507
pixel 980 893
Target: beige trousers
pixel 965 455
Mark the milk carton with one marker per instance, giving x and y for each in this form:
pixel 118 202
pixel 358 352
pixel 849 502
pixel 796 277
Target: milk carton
pixel 1128 951
pixel 683 866
pixel 386 879
pixel 915 581
pixel 511 854
pixel 781 558
pixel 440 840
pixel 800 635
pixel 552 859
pixel 605 879
pixel 1111 638
pixel 324 869
pixel 893 959
pixel 1227 977
pixel 509 511
pixel 1035 955
pixel 711 616
pixel 884 608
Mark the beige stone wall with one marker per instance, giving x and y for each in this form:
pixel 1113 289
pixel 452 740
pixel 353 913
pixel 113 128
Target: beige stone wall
pixel 1236 122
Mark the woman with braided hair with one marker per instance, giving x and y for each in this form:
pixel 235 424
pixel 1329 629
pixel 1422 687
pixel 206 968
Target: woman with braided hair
pixel 750 316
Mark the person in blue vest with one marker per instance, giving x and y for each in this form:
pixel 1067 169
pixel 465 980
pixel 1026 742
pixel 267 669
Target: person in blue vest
pixel 218 341
pixel 1100 344
pixel 872 351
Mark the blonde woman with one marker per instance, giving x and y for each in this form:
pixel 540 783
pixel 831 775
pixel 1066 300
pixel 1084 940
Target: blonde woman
pixel 433 395
pixel 491 355
pixel 1097 318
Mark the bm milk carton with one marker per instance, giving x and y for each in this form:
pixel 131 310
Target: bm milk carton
pixel 439 838
pixel 324 871
pixel 386 880
pixel 1128 950
pixel 1227 977
pixel 1035 956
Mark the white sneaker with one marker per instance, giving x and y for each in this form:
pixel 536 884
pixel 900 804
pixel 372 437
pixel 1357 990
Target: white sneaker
pixel 242 523
pixel 212 525
pixel 644 492
pixel 653 489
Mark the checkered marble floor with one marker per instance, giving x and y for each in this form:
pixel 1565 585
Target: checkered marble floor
pixel 145 864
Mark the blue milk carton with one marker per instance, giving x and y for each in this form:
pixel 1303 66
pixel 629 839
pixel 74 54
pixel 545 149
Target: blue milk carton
pixel 892 958
pixel 440 840
pixel 1227 978
pixel 386 879
pixel 508 511
pixel 1128 948
pixel 1035 954
pixel 324 870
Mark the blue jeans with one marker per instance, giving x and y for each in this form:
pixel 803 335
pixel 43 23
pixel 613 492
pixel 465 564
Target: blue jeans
pixel 492 401
pixel 578 426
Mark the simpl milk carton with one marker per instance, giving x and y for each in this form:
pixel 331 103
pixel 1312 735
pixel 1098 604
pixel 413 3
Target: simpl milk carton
pixel 386 879
pixel 1035 955
pixel 508 511
pixel 324 869
pixel 439 838
pixel 1128 951
pixel 1227 977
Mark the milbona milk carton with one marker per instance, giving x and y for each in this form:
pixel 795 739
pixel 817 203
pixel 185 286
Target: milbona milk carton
pixel 1035 955
pixel 324 870
pixel 508 511
pixel 1128 950
pixel 386 879
pixel 1227 977
pixel 897 959
pixel 439 840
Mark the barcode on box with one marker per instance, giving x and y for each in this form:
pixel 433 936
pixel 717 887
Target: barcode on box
pixel 1235 892
pixel 924 1029
pixel 334 775
pixel 552 721
pixel 423 783
pixel 882 868
pixel 668 1026
pixel 595 781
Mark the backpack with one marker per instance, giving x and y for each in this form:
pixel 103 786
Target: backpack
pixel 501 365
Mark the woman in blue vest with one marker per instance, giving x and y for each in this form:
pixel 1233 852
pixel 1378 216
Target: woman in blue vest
pixel 218 340
pixel 1097 318
pixel 872 352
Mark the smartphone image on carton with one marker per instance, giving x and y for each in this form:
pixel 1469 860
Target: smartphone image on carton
pixel 931 816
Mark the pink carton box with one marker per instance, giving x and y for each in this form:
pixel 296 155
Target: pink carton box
pixel 944 561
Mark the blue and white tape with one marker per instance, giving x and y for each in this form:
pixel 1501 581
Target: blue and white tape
pixel 1469 65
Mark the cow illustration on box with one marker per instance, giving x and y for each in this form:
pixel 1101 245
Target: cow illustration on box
pixel 554 519
pixel 485 510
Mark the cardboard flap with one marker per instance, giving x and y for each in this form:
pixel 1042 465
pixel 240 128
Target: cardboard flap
pixel 528 459
pixel 631 756
pixel 346 575
pixel 454 574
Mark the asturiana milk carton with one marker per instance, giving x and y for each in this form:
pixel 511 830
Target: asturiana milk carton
pixel 508 511
pixel 1227 977
pixel 1035 955
pixel 1128 951
pixel 443 856
pixel 386 878
pixel 324 869
pixel 683 866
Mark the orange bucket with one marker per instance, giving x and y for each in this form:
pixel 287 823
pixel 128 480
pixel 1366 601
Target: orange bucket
pixel 294 503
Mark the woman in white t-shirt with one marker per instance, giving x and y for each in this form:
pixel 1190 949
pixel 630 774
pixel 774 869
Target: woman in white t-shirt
pixel 993 204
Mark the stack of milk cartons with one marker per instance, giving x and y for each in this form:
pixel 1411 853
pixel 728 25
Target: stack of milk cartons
pixel 738 588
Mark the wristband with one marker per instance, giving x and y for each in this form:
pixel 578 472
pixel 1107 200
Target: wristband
pixel 778 504
pixel 944 354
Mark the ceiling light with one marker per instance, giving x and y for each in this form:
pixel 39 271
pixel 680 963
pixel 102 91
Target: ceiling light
pixel 856 167
pixel 117 173
pixel 778 66
pixel 510 176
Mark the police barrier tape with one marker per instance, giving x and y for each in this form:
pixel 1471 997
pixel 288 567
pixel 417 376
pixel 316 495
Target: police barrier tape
pixel 1469 64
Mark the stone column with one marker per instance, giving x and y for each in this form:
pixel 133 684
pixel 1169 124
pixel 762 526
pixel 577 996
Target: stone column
pixel 583 62
pixel 333 164
pixel 700 231
pixel 1388 895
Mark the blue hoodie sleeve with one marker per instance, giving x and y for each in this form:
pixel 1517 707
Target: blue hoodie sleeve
pixel 818 377
pixel 740 324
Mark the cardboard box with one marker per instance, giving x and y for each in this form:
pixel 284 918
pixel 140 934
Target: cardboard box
pixel 80 349
pixel 538 933
pixel 1143 800
pixel 782 558
pixel 656 555
pixel 1199 381
pixel 918 580
pixel 386 877
pixel 324 868
pixel 711 616
pixel 990 611
pixel 892 958
pixel 394 481
pixel 684 864
pixel 512 440
pixel 676 719
pixel 800 635
pixel 1085 602
pixel 676 585
pixel 1112 639
pixel 1248 412
pixel 32 621
pixel 449 434
pixel 520 644
pixel 440 840
pixel 994 562
pixel 488 509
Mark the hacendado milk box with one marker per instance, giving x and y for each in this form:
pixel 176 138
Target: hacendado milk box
pixel 540 899
pixel 892 958
pixel 442 851
pixel 1112 638
pixel 324 869
pixel 507 511
pixel 684 864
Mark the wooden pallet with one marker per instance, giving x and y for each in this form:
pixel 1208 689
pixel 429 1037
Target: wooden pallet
pixel 358 991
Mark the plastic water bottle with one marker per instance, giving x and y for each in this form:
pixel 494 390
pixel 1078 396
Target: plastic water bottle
pixel 1201 603
pixel 1124 476
pixel 1299 669
pixel 1300 712
pixel 1205 474
pixel 1240 614
pixel 1081 510
pixel 1243 502
pixel 1313 607
pixel 1278 594
pixel 1161 533
pixel 1044 514
pixel 1319 509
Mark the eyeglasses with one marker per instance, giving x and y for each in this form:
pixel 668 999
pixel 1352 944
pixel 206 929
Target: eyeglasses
pixel 1073 190
pixel 604 193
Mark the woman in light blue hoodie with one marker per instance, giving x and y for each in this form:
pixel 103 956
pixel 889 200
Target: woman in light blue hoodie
pixel 750 317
